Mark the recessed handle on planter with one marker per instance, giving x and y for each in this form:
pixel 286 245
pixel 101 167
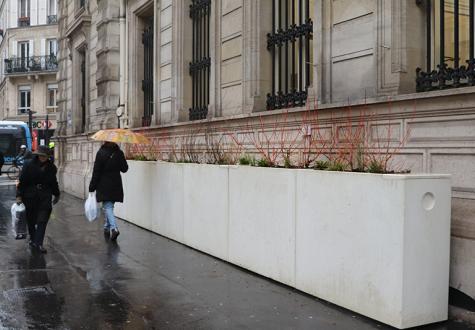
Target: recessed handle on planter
pixel 428 201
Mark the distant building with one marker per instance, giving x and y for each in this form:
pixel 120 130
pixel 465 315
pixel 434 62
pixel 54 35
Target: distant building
pixel 29 64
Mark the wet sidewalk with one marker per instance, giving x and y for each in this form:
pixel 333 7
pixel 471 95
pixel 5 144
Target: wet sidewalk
pixel 144 281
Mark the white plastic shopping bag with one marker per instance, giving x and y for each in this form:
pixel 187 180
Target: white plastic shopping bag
pixel 18 219
pixel 90 207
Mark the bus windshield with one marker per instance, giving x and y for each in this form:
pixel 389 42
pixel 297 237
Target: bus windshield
pixel 12 136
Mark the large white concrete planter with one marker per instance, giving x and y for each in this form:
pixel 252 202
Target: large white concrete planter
pixel 375 244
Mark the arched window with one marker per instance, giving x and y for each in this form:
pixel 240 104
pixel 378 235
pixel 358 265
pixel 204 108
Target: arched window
pixel 290 44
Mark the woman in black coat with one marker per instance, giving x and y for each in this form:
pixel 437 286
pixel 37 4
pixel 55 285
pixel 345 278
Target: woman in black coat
pixel 107 183
pixel 38 189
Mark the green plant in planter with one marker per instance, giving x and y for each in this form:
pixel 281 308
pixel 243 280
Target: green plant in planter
pixel 141 158
pixel 321 165
pixel 360 160
pixel 288 162
pixel 144 158
pixel 247 160
pixel 337 165
pixel 376 167
pixel 264 163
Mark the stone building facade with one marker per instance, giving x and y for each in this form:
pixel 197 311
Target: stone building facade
pixel 168 67
pixel 28 64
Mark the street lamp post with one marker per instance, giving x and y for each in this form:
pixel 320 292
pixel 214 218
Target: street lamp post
pixel 47 130
pixel 30 122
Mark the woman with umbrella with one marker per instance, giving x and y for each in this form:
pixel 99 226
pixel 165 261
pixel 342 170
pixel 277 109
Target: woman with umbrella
pixel 106 179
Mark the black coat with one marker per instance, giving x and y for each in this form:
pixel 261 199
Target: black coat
pixel 38 184
pixel 106 179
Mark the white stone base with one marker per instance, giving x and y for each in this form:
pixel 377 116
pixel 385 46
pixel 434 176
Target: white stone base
pixel 376 244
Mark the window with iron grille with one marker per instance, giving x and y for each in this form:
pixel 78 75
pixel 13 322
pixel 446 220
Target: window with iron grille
pixel 52 17
pixel 200 66
pixel 147 82
pixel 83 93
pixel 290 44
pixel 449 45
pixel 24 55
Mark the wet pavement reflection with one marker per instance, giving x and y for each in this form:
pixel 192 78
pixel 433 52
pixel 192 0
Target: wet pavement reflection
pixel 143 281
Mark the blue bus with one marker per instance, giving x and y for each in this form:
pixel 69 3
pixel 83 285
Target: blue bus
pixel 12 135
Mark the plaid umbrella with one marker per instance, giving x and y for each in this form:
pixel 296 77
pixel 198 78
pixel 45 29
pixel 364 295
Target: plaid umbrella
pixel 120 135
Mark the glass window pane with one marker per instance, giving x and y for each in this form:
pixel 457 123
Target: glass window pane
pixel 51 98
pixel 22 99
pixel 449 33
pixel 52 7
pixel 464 32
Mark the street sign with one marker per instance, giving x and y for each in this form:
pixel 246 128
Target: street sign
pixel 42 124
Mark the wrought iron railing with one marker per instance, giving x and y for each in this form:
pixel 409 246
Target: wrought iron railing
pixel 24 21
pixel 289 44
pixel 200 66
pixel 52 19
pixel 442 76
pixel 31 64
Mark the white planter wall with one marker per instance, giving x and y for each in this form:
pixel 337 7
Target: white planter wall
pixel 262 221
pixel 205 207
pixel 137 192
pixel 168 200
pixel 375 244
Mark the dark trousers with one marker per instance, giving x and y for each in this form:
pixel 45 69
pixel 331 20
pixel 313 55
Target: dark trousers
pixel 37 220
pixel 37 232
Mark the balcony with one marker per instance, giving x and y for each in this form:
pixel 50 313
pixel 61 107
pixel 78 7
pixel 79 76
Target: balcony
pixel 52 19
pixel 24 21
pixel 37 64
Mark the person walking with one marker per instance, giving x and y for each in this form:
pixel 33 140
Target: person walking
pixel 106 181
pixel 38 189
pixel 24 156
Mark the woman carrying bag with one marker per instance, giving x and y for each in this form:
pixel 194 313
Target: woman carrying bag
pixel 107 183
pixel 38 189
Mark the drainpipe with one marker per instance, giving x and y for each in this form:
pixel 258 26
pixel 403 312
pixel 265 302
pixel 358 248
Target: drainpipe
pixel 126 74
pixel 121 110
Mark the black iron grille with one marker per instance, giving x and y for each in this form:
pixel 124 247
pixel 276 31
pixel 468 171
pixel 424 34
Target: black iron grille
pixel 450 71
pixel 199 68
pixel 147 82
pixel 289 44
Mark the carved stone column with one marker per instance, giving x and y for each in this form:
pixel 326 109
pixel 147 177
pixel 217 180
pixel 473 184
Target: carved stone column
pixel 108 60
pixel 257 63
